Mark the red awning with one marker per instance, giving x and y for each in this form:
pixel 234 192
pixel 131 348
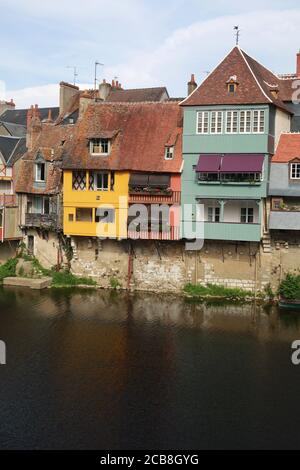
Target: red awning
pixel 243 163
pixel 230 163
pixel 209 164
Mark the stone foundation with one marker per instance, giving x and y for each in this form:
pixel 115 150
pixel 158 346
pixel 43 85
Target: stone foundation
pixel 8 250
pixel 167 266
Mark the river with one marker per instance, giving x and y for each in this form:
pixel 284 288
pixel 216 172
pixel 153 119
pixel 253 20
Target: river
pixel 106 370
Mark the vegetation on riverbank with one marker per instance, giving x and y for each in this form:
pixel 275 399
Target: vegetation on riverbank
pixel 289 288
pixel 59 278
pixel 8 269
pixel 213 291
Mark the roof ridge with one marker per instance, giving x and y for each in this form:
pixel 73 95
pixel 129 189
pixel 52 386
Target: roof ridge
pixel 254 76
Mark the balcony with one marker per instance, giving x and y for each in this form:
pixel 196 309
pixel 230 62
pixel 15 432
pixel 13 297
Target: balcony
pixel 153 197
pixel 232 231
pixel 46 221
pixel 172 234
pixel 8 200
pixel 284 220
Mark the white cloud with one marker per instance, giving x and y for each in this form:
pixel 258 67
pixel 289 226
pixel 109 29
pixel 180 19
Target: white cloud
pixel 270 36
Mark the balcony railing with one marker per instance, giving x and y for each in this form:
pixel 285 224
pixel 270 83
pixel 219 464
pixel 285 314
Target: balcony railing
pixel 7 200
pixel 174 197
pixel 172 234
pixel 49 221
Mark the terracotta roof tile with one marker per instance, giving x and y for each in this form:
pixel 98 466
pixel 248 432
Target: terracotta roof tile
pixel 288 148
pixel 255 83
pixel 137 95
pixel 141 132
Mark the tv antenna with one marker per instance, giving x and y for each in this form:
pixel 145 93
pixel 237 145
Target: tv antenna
pixel 237 34
pixel 96 67
pixel 75 72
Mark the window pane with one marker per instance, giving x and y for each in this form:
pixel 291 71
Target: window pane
pixel 262 122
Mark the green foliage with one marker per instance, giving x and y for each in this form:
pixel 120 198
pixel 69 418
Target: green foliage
pixel 66 278
pixel 269 292
pixel 8 269
pixel 290 287
pixel 115 283
pixel 213 290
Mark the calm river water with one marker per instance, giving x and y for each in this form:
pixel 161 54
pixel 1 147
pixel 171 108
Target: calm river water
pixel 101 370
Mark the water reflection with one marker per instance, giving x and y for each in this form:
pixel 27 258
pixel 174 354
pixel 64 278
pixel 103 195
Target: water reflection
pixel 114 370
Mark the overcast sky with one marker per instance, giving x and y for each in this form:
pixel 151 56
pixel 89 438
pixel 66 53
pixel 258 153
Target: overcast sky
pixel 142 42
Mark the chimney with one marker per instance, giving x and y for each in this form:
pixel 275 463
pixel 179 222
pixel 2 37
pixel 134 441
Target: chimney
pixel 104 90
pixel 85 99
pixel 34 127
pixel 6 105
pixel 298 64
pixel 192 85
pixel 66 94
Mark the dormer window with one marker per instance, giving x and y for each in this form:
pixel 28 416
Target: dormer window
pixel 232 84
pixel 100 146
pixel 40 172
pixel 169 153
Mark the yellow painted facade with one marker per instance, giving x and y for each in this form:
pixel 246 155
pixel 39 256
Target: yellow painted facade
pixel 80 207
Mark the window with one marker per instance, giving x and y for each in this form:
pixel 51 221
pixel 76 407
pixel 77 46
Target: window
pixel 241 177
pixel 100 146
pixel 105 216
pixel 84 215
pixel 98 182
pixel 231 122
pixel 46 205
pixel 169 153
pixel 245 122
pixel 295 171
pixel 71 217
pixel 247 215
pixel 277 204
pixel 203 122
pixel 216 122
pixel 79 181
pixel 209 177
pixel 213 214
pixel 258 122
pixel 40 172
pixel 231 87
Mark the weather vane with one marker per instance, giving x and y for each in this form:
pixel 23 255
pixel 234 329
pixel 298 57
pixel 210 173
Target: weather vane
pixel 237 34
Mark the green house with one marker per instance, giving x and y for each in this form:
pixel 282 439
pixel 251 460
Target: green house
pixel 232 122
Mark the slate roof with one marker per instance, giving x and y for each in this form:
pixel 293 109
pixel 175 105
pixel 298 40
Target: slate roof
pixel 16 130
pixel 255 84
pixel 138 95
pixel 12 149
pixel 19 116
pixel 288 148
pixel 141 132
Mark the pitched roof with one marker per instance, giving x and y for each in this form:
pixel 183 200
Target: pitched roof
pixel 12 148
pixel 255 83
pixel 117 95
pixel 50 146
pixel 19 116
pixel 16 130
pixel 288 148
pixel 140 132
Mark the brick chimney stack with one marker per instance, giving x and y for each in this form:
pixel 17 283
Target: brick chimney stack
pixel 298 64
pixel 192 85
pixel 34 126
pixel 66 94
pixel 104 90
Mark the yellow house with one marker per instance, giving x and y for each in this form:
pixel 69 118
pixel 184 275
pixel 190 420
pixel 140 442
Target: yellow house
pixel 96 203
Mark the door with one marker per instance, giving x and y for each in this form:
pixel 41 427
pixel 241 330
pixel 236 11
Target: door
pixel 31 245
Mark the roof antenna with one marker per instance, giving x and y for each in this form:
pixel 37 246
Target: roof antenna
pixel 74 67
pixel 96 79
pixel 237 34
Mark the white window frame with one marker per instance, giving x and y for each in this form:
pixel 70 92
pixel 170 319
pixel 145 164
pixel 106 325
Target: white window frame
pixel 294 167
pixel 37 179
pixel 92 143
pixel 218 115
pixel 248 209
pixel 204 115
pixel 231 113
pixel 260 113
pixel 247 114
pixel 169 152
pixel 214 210
pixel 101 173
